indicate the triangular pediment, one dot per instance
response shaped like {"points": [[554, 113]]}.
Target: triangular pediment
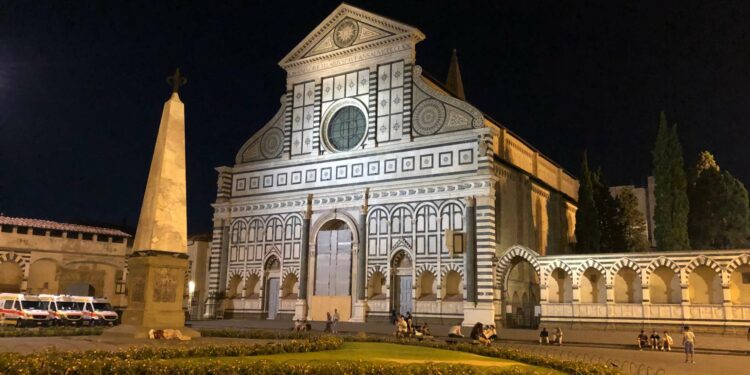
{"points": [[349, 28]]}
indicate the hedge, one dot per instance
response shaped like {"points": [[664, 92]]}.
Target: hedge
{"points": [[149, 359], [51, 331], [572, 367]]}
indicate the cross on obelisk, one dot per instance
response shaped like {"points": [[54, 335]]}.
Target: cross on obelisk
{"points": [[176, 80], [159, 262]]}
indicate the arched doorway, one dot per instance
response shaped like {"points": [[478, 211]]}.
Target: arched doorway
{"points": [[401, 266], [333, 271], [522, 286], [273, 276], [11, 277]]}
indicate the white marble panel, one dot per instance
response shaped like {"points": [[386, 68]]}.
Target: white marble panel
{"points": [[384, 103], [351, 84], [339, 87], [397, 100], [298, 95], [384, 77], [397, 74], [309, 93], [327, 89], [363, 83]]}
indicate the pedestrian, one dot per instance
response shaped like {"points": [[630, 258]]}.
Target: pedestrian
{"points": [[393, 316], [655, 340], [477, 334], [666, 342], [558, 338], [688, 341], [401, 327], [455, 332], [491, 332], [544, 336], [426, 330], [329, 322], [642, 340], [335, 320]]}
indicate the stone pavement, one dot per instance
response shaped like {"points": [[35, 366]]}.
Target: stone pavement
{"points": [[705, 343]]}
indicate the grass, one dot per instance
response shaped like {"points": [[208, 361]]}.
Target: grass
{"points": [[384, 352]]}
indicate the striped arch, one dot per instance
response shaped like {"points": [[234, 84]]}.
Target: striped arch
{"points": [[398, 253], [371, 211], [377, 268], [273, 253], [234, 272], [252, 272], [552, 267], [661, 262], [738, 261], [503, 265], [451, 267], [703, 260], [290, 271], [589, 263], [425, 267], [620, 264], [13, 258]]}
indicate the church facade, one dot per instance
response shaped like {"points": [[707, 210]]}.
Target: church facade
{"points": [[376, 188]]}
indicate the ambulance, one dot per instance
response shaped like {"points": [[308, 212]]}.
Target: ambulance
{"points": [[23, 310], [64, 311], [97, 311]]}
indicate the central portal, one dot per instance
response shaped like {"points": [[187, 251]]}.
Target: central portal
{"points": [[402, 280], [333, 272]]}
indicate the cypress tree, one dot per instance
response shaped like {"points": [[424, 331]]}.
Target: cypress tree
{"points": [[672, 207], [719, 212], [631, 222], [606, 207], [588, 235]]}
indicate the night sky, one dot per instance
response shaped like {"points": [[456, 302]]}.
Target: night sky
{"points": [[82, 85]]}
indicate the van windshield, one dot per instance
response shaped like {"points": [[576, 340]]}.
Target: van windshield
{"points": [[69, 306], [33, 305], [102, 307]]}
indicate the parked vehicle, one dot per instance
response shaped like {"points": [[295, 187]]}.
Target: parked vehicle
{"points": [[97, 311], [23, 310], [63, 309]]}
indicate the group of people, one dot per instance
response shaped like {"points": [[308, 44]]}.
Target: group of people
{"points": [[302, 325], [665, 342], [655, 341], [557, 336], [405, 327], [480, 333], [332, 321]]}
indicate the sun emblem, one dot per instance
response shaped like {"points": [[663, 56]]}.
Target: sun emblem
{"points": [[346, 33]]}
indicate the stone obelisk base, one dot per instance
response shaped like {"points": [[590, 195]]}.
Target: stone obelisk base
{"points": [[156, 286]]}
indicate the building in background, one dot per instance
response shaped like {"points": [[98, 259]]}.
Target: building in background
{"points": [[199, 246], [41, 256], [646, 204]]}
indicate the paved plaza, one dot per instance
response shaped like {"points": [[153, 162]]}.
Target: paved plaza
{"points": [[715, 354]]}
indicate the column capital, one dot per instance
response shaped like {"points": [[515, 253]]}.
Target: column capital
{"points": [[471, 201]]}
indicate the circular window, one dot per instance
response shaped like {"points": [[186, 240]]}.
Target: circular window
{"points": [[346, 128]]}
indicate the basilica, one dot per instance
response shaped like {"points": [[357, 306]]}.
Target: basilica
{"points": [[377, 189]]}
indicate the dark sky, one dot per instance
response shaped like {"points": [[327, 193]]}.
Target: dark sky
{"points": [[82, 86]]}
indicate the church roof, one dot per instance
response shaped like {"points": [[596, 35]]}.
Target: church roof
{"points": [[347, 30], [53, 225]]}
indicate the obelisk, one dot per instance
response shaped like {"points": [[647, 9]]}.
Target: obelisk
{"points": [[159, 262]]}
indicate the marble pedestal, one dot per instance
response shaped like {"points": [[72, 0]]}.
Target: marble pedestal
{"points": [[482, 312], [156, 286], [359, 312]]}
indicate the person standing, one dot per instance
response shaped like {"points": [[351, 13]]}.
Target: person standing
{"points": [[329, 322], [688, 341], [335, 320]]}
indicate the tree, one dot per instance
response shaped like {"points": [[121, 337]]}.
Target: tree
{"points": [[672, 207], [631, 222], [606, 206], [588, 235], [719, 214]]}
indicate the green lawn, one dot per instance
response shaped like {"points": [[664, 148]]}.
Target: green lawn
{"points": [[353, 351]]}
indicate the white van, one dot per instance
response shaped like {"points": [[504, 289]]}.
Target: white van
{"points": [[23, 310], [63, 309], [97, 311]]}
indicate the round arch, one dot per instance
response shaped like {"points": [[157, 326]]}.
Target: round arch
{"points": [[505, 262], [332, 216]]}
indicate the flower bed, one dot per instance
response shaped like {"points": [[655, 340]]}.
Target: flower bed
{"points": [[50, 331], [151, 360]]}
